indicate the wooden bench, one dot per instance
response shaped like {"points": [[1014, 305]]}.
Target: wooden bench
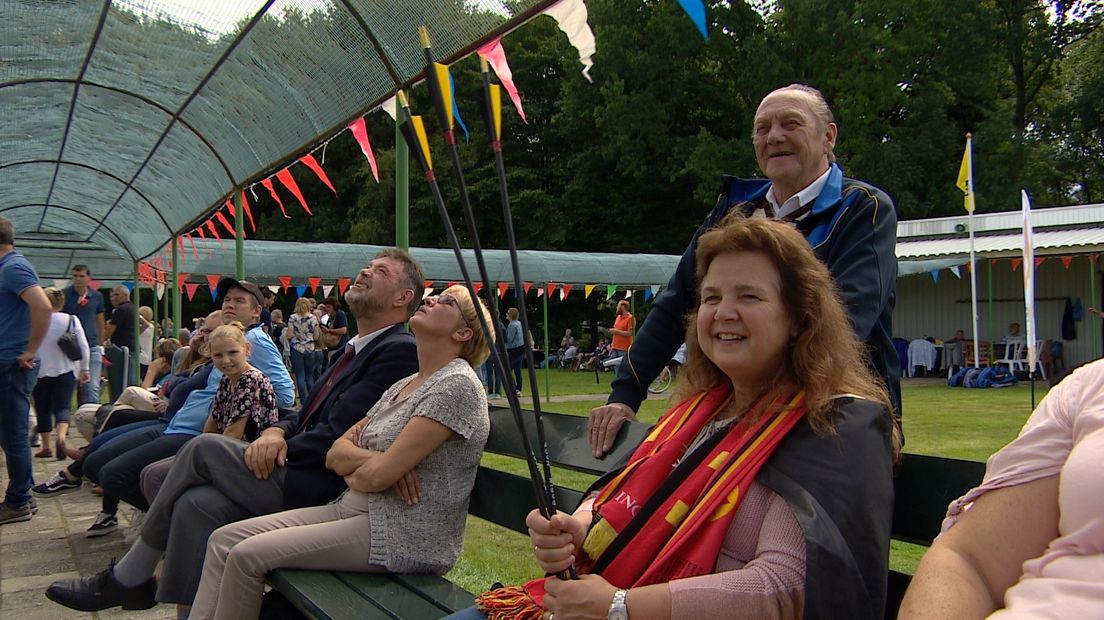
{"points": [[924, 487]]}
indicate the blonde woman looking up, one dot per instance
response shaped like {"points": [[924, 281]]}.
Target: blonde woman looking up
{"points": [[302, 325]]}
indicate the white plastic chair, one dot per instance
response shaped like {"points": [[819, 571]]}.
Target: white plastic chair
{"points": [[1015, 357]]}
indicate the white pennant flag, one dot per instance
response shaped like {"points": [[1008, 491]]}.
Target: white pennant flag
{"points": [[391, 107], [61, 283], [160, 291], [957, 271], [326, 288], [571, 15], [275, 288], [655, 289], [427, 291]]}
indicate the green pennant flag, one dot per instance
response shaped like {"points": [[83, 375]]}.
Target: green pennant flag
{"points": [[610, 290]]}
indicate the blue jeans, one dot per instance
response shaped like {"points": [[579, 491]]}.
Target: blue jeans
{"points": [[90, 392], [304, 366], [16, 383]]}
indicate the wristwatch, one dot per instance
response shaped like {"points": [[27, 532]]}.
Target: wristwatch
{"points": [[618, 610]]}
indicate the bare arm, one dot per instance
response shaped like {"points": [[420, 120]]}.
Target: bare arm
{"points": [[236, 428], [209, 426], [40, 311], [100, 323], [968, 569], [151, 372], [381, 470]]}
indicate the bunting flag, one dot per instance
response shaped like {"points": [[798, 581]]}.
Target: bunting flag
{"points": [[180, 279], [502, 288], [272, 287], [1016, 263], [183, 252], [478, 287], [571, 16], [314, 282], [248, 212], [629, 293], [391, 107], [587, 290], [326, 288], [1039, 260], [696, 10], [225, 222], [342, 284], [301, 290], [195, 251], [540, 291], [551, 288], [285, 177], [966, 176], [360, 133], [285, 282], [212, 283], [610, 290], [426, 292], [206, 245], [160, 289], [526, 286], [456, 108], [129, 285], [496, 57], [267, 183], [190, 289], [565, 290], [957, 271], [427, 284], [1066, 260], [647, 294], [935, 276], [95, 284], [312, 163], [451, 284], [61, 283], [655, 289]]}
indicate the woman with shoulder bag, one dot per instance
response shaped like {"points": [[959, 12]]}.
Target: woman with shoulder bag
{"points": [[59, 374]]}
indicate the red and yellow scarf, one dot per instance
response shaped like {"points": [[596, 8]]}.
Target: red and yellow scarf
{"points": [[677, 517]]}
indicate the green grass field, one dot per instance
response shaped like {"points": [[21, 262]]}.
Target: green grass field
{"points": [[940, 421]]}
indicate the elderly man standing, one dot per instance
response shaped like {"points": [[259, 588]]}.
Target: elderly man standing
{"points": [[24, 317], [217, 480], [851, 225]]}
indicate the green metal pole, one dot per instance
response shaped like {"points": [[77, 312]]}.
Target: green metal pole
{"points": [[178, 313], [547, 379], [156, 323], [136, 299], [1092, 298], [402, 189], [239, 236]]}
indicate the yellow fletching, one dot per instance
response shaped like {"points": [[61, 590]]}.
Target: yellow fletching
{"points": [[496, 112], [419, 128], [446, 90], [728, 505], [677, 513]]}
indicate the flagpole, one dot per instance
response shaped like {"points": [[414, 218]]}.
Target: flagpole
{"points": [[969, 161], [1029, 291]]}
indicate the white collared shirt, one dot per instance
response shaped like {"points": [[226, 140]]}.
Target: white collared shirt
{"points": [[795, 202], [361, 340]]}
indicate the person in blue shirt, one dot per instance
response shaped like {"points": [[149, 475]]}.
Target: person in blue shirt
{"points": [[24, 317], [117, 466], [515, 344], [87, 304]]}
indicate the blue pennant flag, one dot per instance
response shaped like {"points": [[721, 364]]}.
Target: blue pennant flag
{"points": [[935, 276], [129, 285], [696, 10], [301, 289], [647, 293], [456, 110]]}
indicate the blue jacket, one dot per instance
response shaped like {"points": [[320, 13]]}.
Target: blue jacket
{"points": [[852, 228]]}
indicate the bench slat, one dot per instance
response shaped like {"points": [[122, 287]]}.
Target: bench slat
{"points": [[322, 596], [438, 590], [393, 597], [567, 439]]}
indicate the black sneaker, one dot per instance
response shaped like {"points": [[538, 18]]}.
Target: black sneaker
{"points": [[102, 526], [101, 591], [10, 514], [59, 484]]}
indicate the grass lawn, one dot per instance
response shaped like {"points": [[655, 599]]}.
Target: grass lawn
{"points": [[940, 421]]}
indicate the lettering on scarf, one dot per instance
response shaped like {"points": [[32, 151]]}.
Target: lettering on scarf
{"points": [[628, 502]]}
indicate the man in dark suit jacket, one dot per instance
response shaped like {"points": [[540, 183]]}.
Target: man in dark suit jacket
{"points": [[216, 480]]}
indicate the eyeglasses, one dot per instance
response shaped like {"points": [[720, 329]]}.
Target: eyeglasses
{"points": [[449, 300]]}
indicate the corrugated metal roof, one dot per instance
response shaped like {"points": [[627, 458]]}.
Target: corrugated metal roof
{"points": [[1066, 217], [1046, 242]]}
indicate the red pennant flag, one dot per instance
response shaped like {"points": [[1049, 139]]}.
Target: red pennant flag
{"points": [[225, 222], [427, 284], [1039, 260], [551, 288], [212, 281], [502, 288], [248, 212], [451, 284], [312, 163], [180, 278], [285, 177], [1066, 260], [285, 282], [1016, 263], [342, 284], [478, 287], [267, 183], [360, 132], [190, 289], [314, 282], [992, 262], [183, 252], [206, 245], [195, 251], [214, 231], [527, 286], [565, 290], [94, 284]]}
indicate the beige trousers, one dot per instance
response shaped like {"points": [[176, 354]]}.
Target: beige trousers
{"points": [[336, 536]]}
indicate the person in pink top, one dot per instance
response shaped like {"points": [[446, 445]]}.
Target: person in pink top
{"points": [[1028, 542]]}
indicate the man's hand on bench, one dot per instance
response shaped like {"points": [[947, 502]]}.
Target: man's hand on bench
{"points": [[603, 425], [266, 452]]}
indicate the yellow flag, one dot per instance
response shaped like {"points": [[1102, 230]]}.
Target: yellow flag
{"points": [[965, 177], [589, 289]]}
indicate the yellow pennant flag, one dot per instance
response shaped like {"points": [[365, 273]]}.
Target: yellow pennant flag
{"points": [[966, 176], [588, 289]]}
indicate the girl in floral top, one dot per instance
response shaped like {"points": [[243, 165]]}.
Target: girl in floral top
{"points": [[245, 403]]}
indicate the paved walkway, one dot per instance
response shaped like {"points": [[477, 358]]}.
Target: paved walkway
{"points": [[52, 546]]}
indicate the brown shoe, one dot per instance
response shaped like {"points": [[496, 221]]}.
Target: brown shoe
{"points": [[44, 453]]}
